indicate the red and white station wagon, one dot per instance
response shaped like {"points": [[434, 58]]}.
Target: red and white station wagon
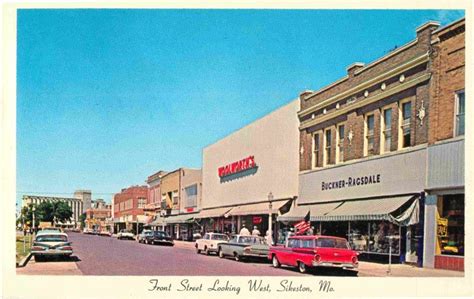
{"points": [[314, 251]]}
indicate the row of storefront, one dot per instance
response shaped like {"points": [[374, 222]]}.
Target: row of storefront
{"points": [[365, 157]]}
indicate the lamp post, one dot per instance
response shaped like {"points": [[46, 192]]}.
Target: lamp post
{"points": [[270, 232]]}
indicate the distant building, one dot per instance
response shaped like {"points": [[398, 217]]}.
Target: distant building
{"points": [[99, 217], [129, 207], [86, 197], [75, 204]]}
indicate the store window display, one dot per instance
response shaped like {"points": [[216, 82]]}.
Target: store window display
{"points": [[451, 224]]}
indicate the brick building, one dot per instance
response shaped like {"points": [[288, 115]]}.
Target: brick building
{"points": [[444, 220], [99, 217], [369, 144], [128, 207]]}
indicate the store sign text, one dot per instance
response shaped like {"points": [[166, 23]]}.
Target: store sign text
{"points": [[237, 167], [351, 182]]}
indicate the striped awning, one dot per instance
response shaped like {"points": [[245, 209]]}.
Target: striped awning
{"points": [[296, 213], [258, 208], [360, 210], [321, 210], [216, 212]]}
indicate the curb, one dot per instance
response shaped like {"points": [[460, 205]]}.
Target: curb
{"points": [[24, 261]]}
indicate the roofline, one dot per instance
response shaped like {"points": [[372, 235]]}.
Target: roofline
{"points": [[446, 27]]}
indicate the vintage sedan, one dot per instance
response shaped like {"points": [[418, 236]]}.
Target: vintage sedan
{"points": [[51, 243], [125, 234], [244, 247], [314, 251], [141, 238], [209, 242], [159, 237]]}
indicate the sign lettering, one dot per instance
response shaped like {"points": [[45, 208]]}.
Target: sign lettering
{"points": [[236, 167]]}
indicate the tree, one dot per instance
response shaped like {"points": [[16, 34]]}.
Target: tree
{"points": [[53, 211], [82, 219]]}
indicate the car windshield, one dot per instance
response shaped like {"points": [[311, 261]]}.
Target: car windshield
{"points": [[51, 238], [161, 234], [219, 237], [249, 240], [332, 243]]}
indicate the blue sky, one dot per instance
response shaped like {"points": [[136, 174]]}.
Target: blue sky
{"points": [[107, 97]]}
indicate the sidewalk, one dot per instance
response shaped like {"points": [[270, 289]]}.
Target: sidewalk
{"points": [[402, 270]]}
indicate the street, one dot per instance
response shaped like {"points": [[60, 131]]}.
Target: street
{"points": [[96, 255]]}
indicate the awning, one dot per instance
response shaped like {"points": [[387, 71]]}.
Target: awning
{"points": [[178, 219], [144, 219], [371, 209], [258, 208], [157, 221], [320, 210], [217, 212], [296, 213]]}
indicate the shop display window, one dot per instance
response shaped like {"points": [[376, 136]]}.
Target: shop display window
{"points": [[451, 224]]}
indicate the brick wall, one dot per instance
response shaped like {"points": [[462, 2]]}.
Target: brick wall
{"points": [[448, 77], [355, 119], [133, 193]]}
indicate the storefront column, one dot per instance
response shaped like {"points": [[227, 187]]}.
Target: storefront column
{"points": [[421, 232], [239, 224], [177, 231], [233, 224], [430, 228]]}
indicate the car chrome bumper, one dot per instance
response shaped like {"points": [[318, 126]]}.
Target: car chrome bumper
{"points": [[52, 252], [336, 265]]}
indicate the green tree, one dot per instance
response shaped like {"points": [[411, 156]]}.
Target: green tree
{"points": [[53, 211], [62, 211], [82, 219]]}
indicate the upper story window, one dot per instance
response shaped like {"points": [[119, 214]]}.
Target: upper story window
{"points": [[460, 110], [328, 146], [175, 197], [369, 134], [141, 203], [191, 195], [405, 125], [315, 157], [386, 140], [340, 144]]}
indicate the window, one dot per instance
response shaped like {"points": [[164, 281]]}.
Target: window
{"points": [[451, 224], [405, 125], [293, 243], [369, 135], [386, 140], [309, 243], [460, 110], [191, 195], [340, 144], [141, 203], [327, 148], [316, 162], [175, 197]]}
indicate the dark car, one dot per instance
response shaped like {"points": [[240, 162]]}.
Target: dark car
{"points": [[159, 237]]}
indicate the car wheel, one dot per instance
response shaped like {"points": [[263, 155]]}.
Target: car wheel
{"points": [[220, 253], [275, 262], [302, 267], [146, 241], [237, 257], [198, 251], [206, 251]]}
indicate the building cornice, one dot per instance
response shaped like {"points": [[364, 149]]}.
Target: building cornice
{"points": [[393, 72], [367, 101]]}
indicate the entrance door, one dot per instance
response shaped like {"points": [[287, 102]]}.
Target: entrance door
{"points": [[410, 255]]}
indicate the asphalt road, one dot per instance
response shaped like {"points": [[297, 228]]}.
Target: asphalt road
{"points": [[96, 255]]}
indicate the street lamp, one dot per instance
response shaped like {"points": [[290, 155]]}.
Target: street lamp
{"points": [[270, 233]]}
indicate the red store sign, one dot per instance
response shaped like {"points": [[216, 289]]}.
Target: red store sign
{"points": [[237, 167]]}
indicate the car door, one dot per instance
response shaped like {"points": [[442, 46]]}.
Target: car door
{"points": [[205, 241]]}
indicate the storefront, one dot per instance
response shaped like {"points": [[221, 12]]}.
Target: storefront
{"points": [[181, 227], [251, 174], [445, 206], [376, 203]]}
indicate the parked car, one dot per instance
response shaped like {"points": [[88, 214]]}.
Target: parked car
{"points": [[105, 233], [51, 243], [125, 234], [314, 251], [141, 238], [209, 242], [54, 229], [242, 247], [159, 237]]}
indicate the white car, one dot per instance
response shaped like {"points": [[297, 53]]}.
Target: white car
{"points": [[209, 242], [51, 243], [125, 234]]}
